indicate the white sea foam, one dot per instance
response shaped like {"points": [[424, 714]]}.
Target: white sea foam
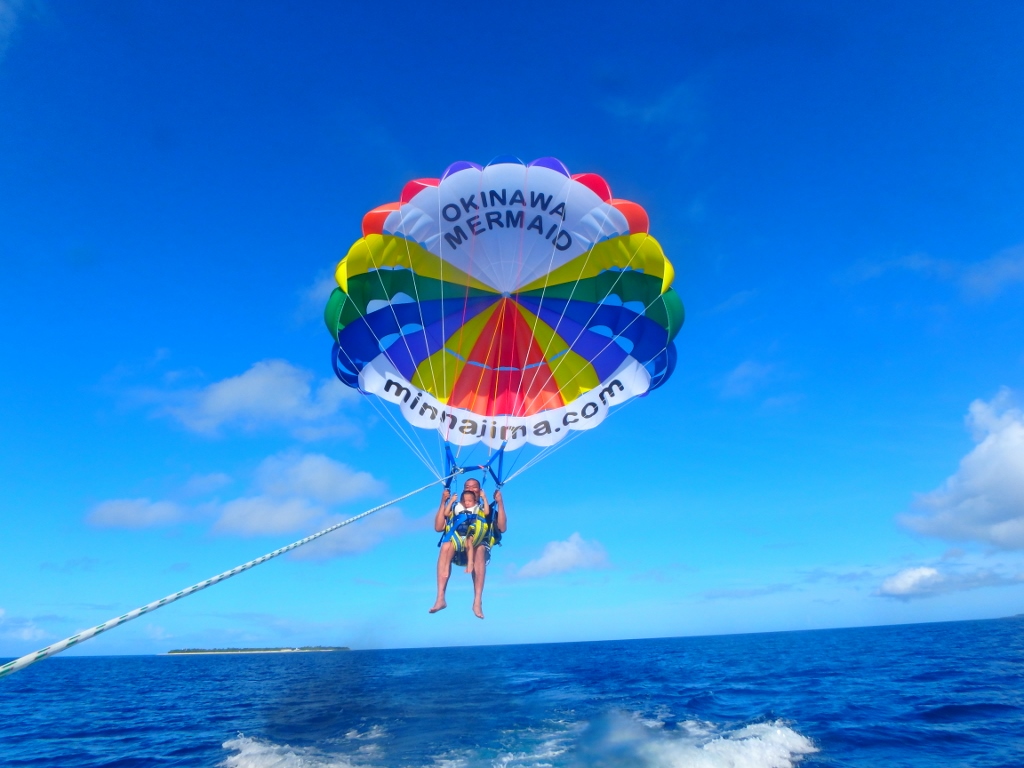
{"points": [[260, 753], [632, 739], [763, 745], [614, 740]]}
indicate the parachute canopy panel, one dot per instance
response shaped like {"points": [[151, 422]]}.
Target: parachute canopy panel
{"points": [[506, 304]]}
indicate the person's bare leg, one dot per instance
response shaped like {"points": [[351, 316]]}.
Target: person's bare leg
{"points": [[479, 574], [470, 550], [444, 571]]}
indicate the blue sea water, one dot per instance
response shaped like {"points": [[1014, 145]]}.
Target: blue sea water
{"points": [[920, 695]]}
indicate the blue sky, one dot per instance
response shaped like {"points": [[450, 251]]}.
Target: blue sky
{"points": [[840, 189]]}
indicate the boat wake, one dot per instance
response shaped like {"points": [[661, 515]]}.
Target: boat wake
{"points": [[616, 739]]}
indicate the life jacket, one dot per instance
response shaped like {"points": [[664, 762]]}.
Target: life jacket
{"points": [[470, 523]]}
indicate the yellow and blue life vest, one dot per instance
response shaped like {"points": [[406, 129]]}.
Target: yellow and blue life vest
{"points": [[466, 525]]}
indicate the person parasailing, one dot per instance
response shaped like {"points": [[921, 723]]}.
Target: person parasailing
{"points": [[466, 525], [508, 307]]}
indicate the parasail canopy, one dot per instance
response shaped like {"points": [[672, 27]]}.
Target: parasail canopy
{"points": [[510, 304]]}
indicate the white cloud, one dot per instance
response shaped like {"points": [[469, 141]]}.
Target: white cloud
{"points": [[569, 555], [676, 105], [745, 378], [982, 279], [743, 594], [290, 492], [270, 393], [134, 513], [927, 581], [315, 476], [201, 485], [912, 582], [362, 535], [314, 298], [83, 563], [9, 12], [988, 278], [263, 515], [920, 263], [737, 300], [984, 500], [156, 632], [17, 628], [295, 492]]}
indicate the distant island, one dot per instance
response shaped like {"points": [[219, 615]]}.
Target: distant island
{"points": [[303, 649]]}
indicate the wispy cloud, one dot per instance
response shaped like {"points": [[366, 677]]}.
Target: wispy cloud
{"points": [[737, 300], [315, 476], [663, 575], [288, 492], [745, 593], [784, 402], [296, 489], [265, 515], [927, 581], [156, 632], [562, 556], [271, 393], [362, 536], [135, 513], [816, 575], [745, 378], [71, 566], [10, 13], [919, 263], [677, 105], [978, 280], [984, 499], [989, 278], [202, 485], [19, 628], [313, 298]]}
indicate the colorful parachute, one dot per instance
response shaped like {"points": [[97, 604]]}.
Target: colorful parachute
{"points": [[507, 304]]}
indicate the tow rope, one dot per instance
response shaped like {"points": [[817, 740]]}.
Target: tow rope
{"points": [[51, 650]]}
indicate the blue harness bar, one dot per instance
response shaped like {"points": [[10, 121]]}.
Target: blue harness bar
{"points": [[452, 466], [458, 524]]}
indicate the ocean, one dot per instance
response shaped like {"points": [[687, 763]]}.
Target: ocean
{"points": [[948, 694]]}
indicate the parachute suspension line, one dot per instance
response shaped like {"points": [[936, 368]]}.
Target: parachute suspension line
{"points": [[396, 428], [453, 468], [52, 650], [513, 409], [612, 341], [543, 454], [444, 332], [515, 461], [594, 313], [392, 421], [476, 389], [423, 453], [419, 307], [572, 294], [462, 327], [549, 450], [462, 331], [543, 293], [418, 451]]}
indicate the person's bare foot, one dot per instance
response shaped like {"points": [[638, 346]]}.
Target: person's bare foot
{"points": [[469, 569], [478, 610], [440, 605]]}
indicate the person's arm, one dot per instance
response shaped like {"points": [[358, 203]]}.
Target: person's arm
{"points": [[500, 520], [442, 511], [486, 505]]}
